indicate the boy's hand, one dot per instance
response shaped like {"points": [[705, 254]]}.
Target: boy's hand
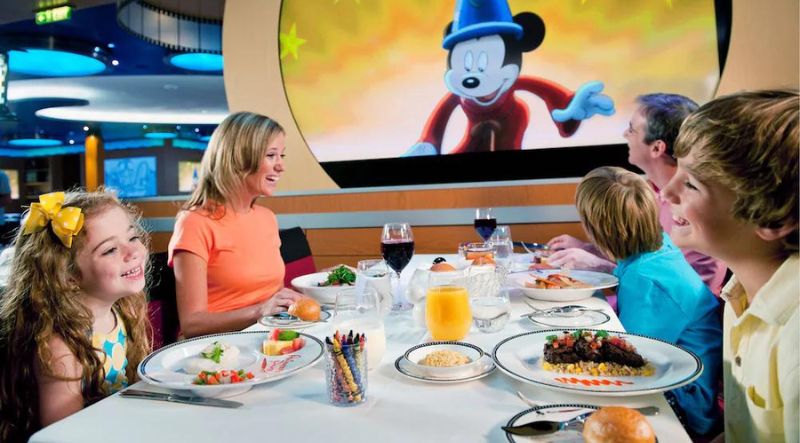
{"points": [[575, 258], [566, 241]]}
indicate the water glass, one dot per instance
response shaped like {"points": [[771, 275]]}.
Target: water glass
{"points": [[359, 310], [502, 246], [346, 374], [491, 312], [375, 274]]}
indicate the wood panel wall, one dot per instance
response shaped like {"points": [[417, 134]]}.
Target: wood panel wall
{"points": [[348, 245]]}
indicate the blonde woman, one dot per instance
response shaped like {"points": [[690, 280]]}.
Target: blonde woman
{"points": [[659, 293], [225, 249]]}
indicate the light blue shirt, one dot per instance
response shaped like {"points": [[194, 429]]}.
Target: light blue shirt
{"points": [[660, 295]]}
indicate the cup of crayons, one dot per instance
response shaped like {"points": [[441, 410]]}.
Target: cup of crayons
{"points": [[346, 368]]}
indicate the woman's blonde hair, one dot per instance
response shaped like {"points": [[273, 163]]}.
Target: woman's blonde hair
{"points": [[619, 212], [748, 142], [235, 150], [42, 300]]}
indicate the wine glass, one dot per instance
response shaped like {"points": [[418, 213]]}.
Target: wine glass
{"points": [[485, 223], [397, 247]]}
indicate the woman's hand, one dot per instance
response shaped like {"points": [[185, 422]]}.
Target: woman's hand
{"points": [[279, 302]]}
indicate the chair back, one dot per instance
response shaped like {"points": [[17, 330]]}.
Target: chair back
{"points": [[296, 254], [161, 306]]}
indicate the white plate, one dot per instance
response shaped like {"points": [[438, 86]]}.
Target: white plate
{"points": [[596, 280], [291, 323], [520, 356], [418, 352], [560, 412], [485, 367], [309, 285], [166, 366], [587, 318]]}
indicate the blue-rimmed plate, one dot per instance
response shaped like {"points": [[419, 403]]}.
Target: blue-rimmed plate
{"points": [[561, 412], [172, 366], [480, 365], [521, 357], [283, 320], [585, 319]]}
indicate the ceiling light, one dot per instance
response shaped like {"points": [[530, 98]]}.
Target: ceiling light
{"points": [[53, 63], [115, 62], [85, 128], [34, 142], [197, 62], [160, 135]]}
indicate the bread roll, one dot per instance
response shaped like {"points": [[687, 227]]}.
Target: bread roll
{"points": [[305, 308], [618, 424], [442, 267]]}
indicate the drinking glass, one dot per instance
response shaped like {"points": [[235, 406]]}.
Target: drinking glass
{"points": [[447, 311], [503, 247], [397, 247], [359, 310], [374, 273], [490, 314], [485, 223]]}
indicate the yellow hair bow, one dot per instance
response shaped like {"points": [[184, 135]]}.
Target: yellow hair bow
{"points": [[65, 222]]}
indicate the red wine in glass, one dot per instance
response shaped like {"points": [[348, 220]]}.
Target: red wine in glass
{"points": [[485, 227], [397, 253]]}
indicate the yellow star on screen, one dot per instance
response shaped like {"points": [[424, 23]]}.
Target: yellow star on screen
{"points": [[290, 42]]}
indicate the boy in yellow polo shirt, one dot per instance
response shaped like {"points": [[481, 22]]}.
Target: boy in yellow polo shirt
{"points": [[735, 198]]}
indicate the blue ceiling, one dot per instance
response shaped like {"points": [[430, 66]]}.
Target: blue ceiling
{"points": [[90, 27]]}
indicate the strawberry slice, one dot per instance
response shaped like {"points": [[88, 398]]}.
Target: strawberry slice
{"points": [[275, 334]]}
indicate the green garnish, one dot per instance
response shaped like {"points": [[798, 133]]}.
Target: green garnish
{"points": [[215, 354], [340, 276], [577, 334], [288, 335], [551, 338], [602, 334]]}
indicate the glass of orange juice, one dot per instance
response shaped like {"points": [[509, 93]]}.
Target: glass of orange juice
{"points": [[447, 312]]}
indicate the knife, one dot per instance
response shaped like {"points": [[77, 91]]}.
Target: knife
{"points": [[541, 427], [177, 398]]}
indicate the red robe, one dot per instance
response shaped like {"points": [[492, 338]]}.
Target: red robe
{"points": [[501, 126]]}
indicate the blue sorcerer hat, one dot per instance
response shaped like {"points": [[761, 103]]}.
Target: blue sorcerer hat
{"points": [[479, 18]]}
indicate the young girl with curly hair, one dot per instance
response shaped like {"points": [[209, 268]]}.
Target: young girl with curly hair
{"points": [[73, 319]]}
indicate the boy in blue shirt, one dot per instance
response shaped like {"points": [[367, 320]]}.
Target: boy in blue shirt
{"points": [[659, 293]]}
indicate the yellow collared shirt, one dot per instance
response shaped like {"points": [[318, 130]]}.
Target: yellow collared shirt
{"points": [[760, 349]]}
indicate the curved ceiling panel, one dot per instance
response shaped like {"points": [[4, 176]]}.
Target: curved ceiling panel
{"points": [[130, 99]]}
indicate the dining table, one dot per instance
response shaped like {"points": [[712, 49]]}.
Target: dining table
{"points": [[397, 408]]}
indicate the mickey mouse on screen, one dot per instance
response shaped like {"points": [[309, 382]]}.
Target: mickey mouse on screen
{"points": [[485, 45]]}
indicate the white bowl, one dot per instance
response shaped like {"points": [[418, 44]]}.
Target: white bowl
{"points": [[417, 353], [596, 280], [309, 285]]}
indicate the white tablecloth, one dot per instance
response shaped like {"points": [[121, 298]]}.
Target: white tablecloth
{"points": [[398, 409]]}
